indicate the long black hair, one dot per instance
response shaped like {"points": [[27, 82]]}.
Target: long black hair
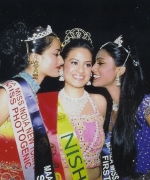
{"points": [[13, 48], [131, 94]]}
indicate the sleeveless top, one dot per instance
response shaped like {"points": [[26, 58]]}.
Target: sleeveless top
{"points": [[89, 130]]}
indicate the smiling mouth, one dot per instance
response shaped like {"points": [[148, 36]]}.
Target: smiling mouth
{"points": [[78, 77], [95, 76]]}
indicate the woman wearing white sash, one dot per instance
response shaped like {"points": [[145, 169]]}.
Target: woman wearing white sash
{"points": [[34, 54], [85, 111]]}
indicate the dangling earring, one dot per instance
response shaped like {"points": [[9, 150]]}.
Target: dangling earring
{"points": [[118, 83], [61, 77], [89, 82], [35, 71], [35, 66]]}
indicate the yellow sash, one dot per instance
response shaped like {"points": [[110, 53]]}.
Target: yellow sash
{"points": [[71, 147]]}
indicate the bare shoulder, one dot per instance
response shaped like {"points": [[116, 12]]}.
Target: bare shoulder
{"points": [[100, 102], [4, 113]]}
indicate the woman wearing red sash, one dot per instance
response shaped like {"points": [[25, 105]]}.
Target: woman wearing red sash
{"points": [[33, 55], [80, 116], [126, 152]]}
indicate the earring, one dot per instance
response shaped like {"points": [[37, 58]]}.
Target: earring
{"points": [[118, 83], [35, 66], [61, 77], [35, 71], [89, 82]]}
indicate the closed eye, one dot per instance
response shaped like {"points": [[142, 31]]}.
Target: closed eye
{"points": [[100, 63]]}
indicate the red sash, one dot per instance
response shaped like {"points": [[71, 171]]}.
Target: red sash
{"points": [[48, 103]]}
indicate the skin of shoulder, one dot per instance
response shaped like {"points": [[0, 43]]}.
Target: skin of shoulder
{"points": [[4, 112], [148, 119], [101, 103]]}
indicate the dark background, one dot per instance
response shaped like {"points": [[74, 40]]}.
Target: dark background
{"points": [[104, 19]]}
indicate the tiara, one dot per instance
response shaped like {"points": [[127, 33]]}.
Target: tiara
{"points": [[40, 35], [118, 41], [76, 33]]}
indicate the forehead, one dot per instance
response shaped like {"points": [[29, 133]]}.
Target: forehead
{"points": [[55, 43], [80, 54], [103, 55]]}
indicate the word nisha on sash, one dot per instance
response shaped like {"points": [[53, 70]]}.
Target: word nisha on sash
{"points": [[73, 156]]}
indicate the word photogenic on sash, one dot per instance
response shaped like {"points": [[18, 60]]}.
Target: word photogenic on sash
{"points": [[23, 130], [22, 127]]}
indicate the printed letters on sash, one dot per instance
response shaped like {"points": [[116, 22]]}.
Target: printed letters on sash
{"points": [[48, 107], [22, 127], [71, 147], [108, 168]]}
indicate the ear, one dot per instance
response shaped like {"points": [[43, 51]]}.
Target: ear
{"points": [[33, 56], [121, 70]]}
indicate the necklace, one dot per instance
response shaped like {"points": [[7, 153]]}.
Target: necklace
{"points": [[73, 105], [32, 83], [115, 106]]}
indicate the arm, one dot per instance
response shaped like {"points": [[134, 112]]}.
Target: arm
{"points": [[101, 103], [4, 112]]}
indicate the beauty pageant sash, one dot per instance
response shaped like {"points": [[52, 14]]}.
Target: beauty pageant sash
{"points": [[23, 105], [48, 107], [71, 147], [22, 127], [108, 168]]}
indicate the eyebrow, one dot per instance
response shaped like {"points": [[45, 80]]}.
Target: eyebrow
{"points": [[57, 49], [100, 58]]}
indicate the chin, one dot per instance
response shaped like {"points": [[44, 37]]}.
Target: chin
{"points": [[95, 84]]}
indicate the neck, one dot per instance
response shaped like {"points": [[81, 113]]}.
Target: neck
{"points": [[29, 70], [114, 93], [73, 91]]}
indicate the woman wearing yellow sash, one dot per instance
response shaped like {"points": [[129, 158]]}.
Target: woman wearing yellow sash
{"points": [[81, 115], [33, 55]]}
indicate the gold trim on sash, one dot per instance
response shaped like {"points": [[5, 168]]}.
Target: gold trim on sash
{"points": [[71, 146]]}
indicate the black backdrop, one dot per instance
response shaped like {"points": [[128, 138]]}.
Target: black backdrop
{"points": [[104, 19]]}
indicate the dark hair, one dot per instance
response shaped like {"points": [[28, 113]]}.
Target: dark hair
{"points": [[77, 43], [13, 47], [131, 94]]}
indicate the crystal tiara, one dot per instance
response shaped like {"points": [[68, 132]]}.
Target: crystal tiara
{"points": [[76, 33], [40, 34]]}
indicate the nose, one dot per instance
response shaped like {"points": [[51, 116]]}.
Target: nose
{"points": [[60, 60], [80, 68]]}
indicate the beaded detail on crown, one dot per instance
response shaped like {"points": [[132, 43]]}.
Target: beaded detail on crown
{"points": [[76, 33], [40, 34]]}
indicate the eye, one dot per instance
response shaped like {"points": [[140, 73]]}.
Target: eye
{"points": [[88, 64], [57, 54], [74, 62], [100, 63]]}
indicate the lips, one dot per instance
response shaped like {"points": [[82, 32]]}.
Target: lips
{"points": [[96, 76], [58, 67], [79, 77]]}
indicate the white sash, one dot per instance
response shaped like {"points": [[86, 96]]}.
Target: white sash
{"points": [[22, 127]]}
